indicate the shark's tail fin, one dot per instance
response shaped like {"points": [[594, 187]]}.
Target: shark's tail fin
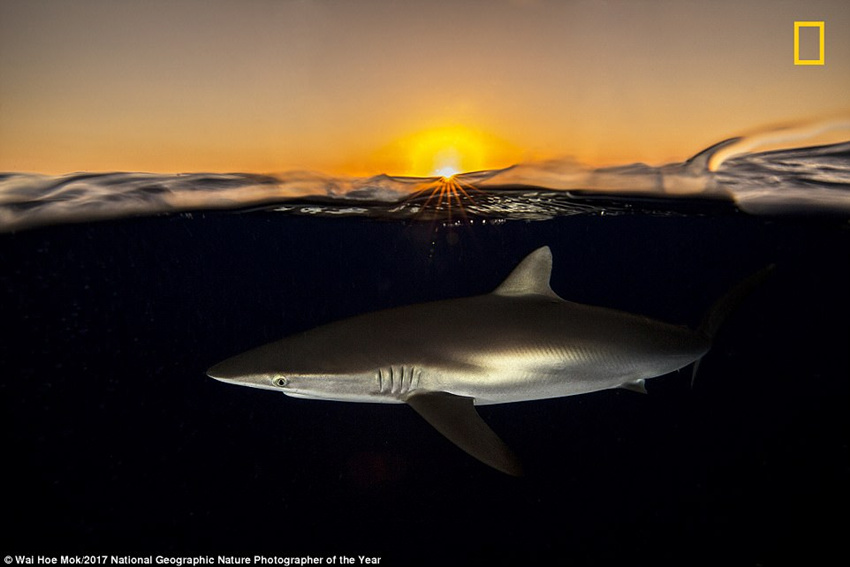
{"points": [[725, 305]]}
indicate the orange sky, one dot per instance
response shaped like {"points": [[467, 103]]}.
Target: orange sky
{"points": [[367, 87]]}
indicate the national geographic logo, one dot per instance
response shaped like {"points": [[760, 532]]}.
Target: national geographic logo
{"points": [[809, 43]]}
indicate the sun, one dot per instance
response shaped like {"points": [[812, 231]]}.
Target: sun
{"points": [[447, 172], [447, 151]]}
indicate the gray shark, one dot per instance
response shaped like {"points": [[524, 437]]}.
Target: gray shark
{"points": [[521, 342]]}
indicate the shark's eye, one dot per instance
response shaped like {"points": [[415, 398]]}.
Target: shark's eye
{"points": [[281, 381]]}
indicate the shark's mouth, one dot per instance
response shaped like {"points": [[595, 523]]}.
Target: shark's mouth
{"points": [[337, 397], [304, 395]]}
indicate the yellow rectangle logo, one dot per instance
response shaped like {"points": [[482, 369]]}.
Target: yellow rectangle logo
{"points": [[797, 27]]}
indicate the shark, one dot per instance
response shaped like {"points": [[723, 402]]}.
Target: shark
{"points": [[522, 342]]}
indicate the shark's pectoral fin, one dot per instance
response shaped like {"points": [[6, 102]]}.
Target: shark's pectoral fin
{"points": [[456, 418], [638, 386]]}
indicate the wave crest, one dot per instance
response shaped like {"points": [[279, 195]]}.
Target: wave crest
{"points": [[785, 181]]}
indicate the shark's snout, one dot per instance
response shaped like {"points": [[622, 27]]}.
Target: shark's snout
{"points": [[236, 371], [225, 371]]}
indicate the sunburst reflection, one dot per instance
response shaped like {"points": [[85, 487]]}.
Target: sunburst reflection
{"points": [[446, 196]]}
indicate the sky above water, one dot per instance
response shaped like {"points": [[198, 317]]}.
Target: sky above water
{"points": [[407, 87]]}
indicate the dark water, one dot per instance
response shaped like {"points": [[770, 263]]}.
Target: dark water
{"points": [[116, 442]]}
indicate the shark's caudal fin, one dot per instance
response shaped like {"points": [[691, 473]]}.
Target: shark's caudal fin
{"points": [[726, 304], [456, 418], [531, 276], [715, 316]]}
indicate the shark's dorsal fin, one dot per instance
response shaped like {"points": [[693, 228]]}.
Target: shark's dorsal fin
{"points": [[456, 418], [531, 276]]}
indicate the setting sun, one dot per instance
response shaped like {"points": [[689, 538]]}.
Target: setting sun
{"points": [[445, 152], [447, 172]]}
